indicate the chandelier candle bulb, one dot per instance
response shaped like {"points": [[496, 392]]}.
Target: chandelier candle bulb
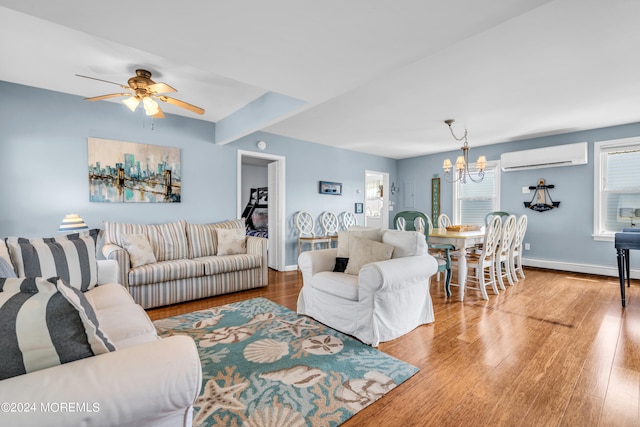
{"points": [[481, 163]]}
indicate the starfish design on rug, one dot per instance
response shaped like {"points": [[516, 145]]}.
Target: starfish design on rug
{"points": [[215, 397], [296, 327]]}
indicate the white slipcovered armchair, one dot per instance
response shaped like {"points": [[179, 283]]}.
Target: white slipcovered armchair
{"points": [[385, 298]]}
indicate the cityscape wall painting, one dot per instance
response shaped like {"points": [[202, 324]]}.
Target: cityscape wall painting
{"points": [[129, 172]]}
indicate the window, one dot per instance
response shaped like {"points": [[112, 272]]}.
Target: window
{"points": [[617, 186], [473, 201]]}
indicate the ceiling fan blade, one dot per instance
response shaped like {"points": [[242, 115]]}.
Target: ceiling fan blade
{"points": [[159, 114], [160, 88], [182, 104], [101, 97], [106, 81]]}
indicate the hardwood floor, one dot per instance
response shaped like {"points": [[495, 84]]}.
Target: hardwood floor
{"points": [[555, 350]]}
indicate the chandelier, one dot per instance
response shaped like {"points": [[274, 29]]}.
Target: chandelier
{"points": [[462, 162]]}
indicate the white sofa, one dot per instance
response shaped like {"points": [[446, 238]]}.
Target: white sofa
{"points": [[146, 381], [383, 300]]}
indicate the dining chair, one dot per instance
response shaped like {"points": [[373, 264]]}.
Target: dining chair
{"points": [[306, 231], [348, 220], [442, 253], [483, 263], [444, 221], [408, 220], [503, 251], [329, 223], [515, 257], [501, 214]]}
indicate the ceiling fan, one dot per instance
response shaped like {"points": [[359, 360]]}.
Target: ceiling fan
{"points": [[144, 90]]}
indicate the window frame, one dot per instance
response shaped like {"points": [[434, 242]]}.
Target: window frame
{"points": [[601, 149], [491, 165]]}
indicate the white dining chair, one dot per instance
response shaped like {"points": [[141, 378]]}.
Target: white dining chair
{"points": [[349, 220], [483, 263], [515, 257], [444, 221], [329, 223], [503, 251], [306, 232]]}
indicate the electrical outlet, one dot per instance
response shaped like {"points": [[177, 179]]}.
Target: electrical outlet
{"points": [[527, 247], [525, 190]]}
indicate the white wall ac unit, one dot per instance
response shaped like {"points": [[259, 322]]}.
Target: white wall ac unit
{"points": [[547, 157]]}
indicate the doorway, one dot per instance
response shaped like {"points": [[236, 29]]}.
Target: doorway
{"points": [[376, 201], [265, 170]]}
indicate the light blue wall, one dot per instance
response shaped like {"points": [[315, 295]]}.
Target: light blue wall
{"points": [[306, 164], [562, 234], [43, 166], [43, 174]]}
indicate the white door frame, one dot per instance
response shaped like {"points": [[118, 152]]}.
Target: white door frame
{"points": [[385, 196], [277, 240]]}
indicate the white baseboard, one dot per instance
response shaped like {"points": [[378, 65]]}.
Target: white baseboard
{"points": [[603, 270]]}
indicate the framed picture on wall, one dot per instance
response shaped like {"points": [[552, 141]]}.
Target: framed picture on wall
{"points": [[334, 188], [129, 172], [359, 208]]}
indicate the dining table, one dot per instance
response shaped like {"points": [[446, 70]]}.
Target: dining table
{"points": [[461, 240]]}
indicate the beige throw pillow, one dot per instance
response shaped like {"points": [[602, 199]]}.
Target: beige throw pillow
{"points": [[345, 238], [363, 251], [139, 248], [231, 241]]}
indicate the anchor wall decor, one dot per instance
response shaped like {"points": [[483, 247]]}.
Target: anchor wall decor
{"points": [[542, 198]]}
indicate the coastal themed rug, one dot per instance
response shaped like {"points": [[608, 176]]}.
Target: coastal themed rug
{"points": [[265, 365]]}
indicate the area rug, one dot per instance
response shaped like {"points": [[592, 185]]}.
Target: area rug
{"points": [[265, 365]]}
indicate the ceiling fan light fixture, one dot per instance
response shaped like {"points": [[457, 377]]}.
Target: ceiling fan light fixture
{"points": [[131, 103], [150, 106], [144, 90]]}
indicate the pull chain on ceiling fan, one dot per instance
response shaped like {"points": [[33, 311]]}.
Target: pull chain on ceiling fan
{"points": [[144, 90]]}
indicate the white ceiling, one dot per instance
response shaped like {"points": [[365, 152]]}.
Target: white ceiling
{"points": [[377, 76]]}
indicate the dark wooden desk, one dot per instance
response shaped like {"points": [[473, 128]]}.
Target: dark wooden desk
{"points": [[628, 239]]}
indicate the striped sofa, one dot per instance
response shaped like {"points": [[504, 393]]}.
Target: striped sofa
{"points": [[188, 264]]}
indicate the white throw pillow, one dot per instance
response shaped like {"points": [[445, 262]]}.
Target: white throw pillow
{"points": [[139, 248], [364, 251], [231, 241], [407, 243]]}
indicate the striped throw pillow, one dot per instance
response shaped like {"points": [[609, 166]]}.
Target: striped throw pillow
{"points": [[40, 328], [71, 257], [98, 340], [203, 240], [6, 269], [169, 241], [4, 252]]}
